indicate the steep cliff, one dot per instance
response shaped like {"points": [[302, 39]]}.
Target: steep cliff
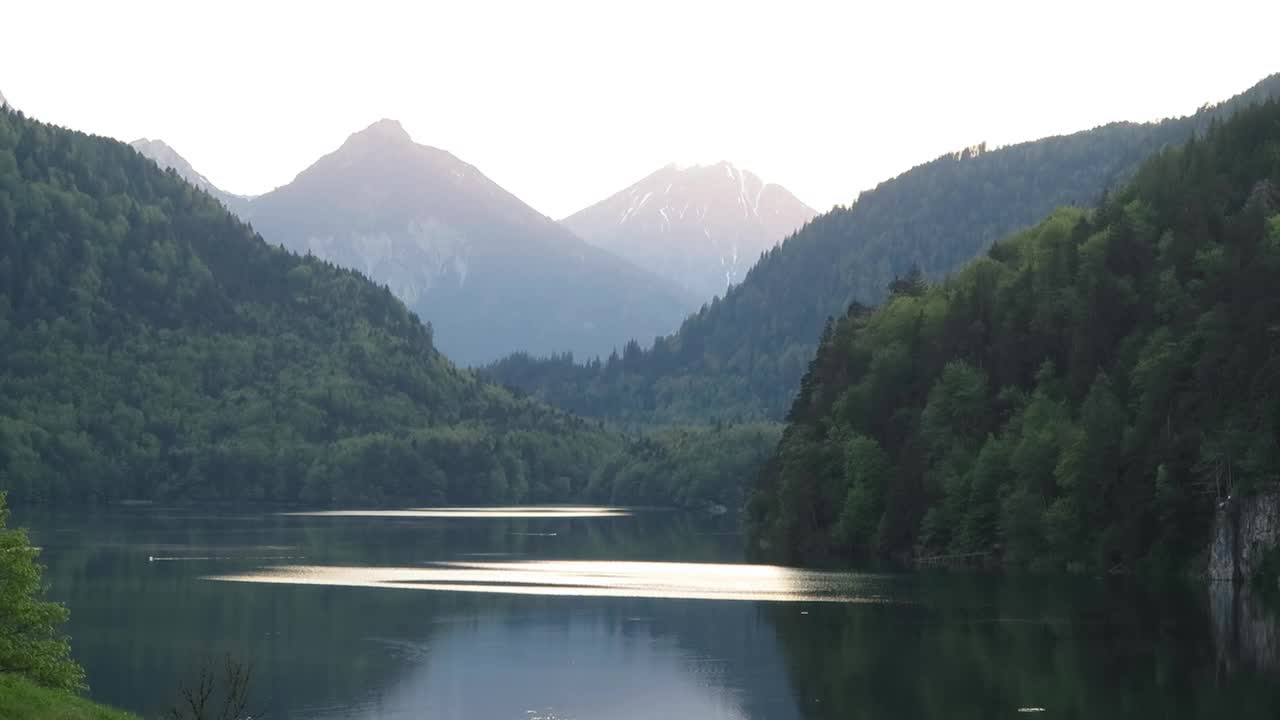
{"points": [[1244, 529]]}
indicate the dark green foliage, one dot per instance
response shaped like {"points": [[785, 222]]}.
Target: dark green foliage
{"points": [[689, 467], [30, 644], [153, 347], [1078, 398], [741, 357]]}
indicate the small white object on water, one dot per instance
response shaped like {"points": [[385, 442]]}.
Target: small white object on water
{"points": [[1030, 709]]}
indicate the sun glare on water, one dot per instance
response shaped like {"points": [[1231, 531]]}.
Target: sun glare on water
{"points": [[476, 512], [583, 578], [588, 579]]}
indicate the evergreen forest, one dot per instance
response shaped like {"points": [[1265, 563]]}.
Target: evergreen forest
{"points": [[1080, 397], [741, 357]]}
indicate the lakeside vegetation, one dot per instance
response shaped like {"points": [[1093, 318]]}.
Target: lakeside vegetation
{"points": [[38, 678], [22, 699]]}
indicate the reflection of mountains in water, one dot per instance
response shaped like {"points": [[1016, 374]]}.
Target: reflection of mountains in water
{"points": [[359, 653], [1245, 629], [630, 659]]}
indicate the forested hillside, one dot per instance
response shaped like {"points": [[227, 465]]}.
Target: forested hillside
{"points": [[741, 358], [1081, 396], [153, 347]]}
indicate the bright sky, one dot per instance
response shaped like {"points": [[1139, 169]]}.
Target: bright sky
{"points": [[564, 103]]}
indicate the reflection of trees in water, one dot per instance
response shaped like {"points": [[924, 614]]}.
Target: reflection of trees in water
{"points": [[141, 627], [982, 647], [962, 646], [1245, 628]]}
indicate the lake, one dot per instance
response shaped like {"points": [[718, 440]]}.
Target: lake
{"points": [[604, 613]]}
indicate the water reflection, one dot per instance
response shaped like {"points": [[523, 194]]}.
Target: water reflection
{"points": [[974, 648], [560, 668], [364, 653], [657, 641], [693, 581], [1245, 631], [477, 512]]}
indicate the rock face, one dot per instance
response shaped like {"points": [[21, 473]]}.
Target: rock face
{"points": [[168, 158], [491, 274], [1243, 530], [702, 227]]}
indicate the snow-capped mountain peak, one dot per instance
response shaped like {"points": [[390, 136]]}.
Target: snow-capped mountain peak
{"points": [[701, 226], [490, 273]]}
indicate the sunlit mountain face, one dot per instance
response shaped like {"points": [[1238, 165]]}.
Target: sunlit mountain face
{"points": [[701, 226], [491, 274]]}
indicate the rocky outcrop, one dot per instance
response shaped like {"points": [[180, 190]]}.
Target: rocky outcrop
{"points": [[1244, 529]]}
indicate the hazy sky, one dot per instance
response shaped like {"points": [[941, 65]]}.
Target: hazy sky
{"points": [[564, 103]]}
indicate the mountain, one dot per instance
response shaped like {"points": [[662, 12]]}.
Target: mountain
{"points": [[701, 227], [3, 102], [742, 358], [152, 346], [1083, 396], [490, 273], [169, 159]]}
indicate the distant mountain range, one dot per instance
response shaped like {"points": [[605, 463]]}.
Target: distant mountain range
{"points": [[702, 227], [153, 347], [491, 274], [167, 157], [742, 358]]}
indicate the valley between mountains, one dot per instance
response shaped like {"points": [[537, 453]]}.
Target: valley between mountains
{"points": [[310, 344]]}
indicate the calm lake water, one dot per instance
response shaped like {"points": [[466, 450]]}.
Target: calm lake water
{"points": [[597, 614]]}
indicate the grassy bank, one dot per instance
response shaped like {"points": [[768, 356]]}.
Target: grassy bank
{"points": [[22, 700]]}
